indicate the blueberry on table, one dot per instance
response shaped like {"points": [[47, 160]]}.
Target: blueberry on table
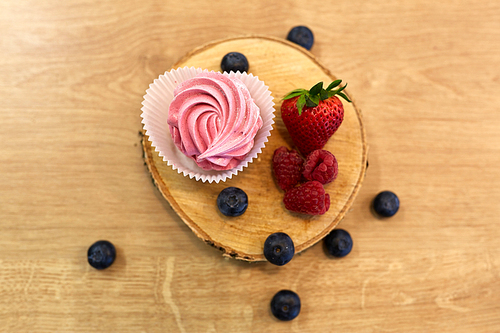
{"points": [[232, 201], [338, 243], [302, 36], [279, 248], [234, 61], [386, 204], [285, 305], [101, 254]]}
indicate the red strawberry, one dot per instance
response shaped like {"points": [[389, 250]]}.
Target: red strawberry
{"points": [[288, 166], [309, 198], [313, 116]]}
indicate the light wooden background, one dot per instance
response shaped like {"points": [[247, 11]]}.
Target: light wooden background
{"points": [[426, 75]]}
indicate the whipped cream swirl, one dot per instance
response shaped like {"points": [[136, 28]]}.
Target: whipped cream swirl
{"points": [[214, 120]]}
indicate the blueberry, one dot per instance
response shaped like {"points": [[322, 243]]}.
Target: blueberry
{"points": [[285, 305], [301, 35], [279, 248], [234, 61], [232, 201], [386, 204], [101, 254], [338, 243]]}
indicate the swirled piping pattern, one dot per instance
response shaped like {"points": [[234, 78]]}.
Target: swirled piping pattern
{"points": [[214, 120]]}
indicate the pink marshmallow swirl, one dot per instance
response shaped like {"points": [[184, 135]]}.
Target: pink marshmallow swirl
{"points": [[213, 120]]}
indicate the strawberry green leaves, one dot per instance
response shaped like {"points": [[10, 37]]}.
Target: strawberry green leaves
{"points": [[295, 93], [339, 92], [316, 89], [300, 103], [334, 84], [317, 93]]}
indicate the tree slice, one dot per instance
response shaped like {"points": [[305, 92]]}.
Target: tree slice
{"points": [[283, 66]]}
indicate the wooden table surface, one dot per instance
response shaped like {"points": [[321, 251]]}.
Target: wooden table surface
{"points": [[426, 76]]}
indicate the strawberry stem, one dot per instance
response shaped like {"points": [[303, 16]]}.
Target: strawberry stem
{"points": [[311, 97]]}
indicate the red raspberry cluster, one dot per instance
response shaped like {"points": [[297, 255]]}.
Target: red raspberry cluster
{"points": [[303, 181], [288, 166]]}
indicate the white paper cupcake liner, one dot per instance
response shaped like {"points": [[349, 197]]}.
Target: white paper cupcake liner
{"points": [[154, 117]]}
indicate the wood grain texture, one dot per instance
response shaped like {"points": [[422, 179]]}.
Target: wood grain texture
{"points": [[243, 237], [72, 76]]}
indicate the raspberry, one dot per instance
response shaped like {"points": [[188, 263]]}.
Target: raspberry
{"points": [[322, 166], [288, 166], [309, 198]]}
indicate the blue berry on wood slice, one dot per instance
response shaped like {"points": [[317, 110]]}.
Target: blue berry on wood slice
{"points": [[338, 243], [101, 254], [302, 36], [285, 305], [234, 61], [386, 204], [232, 201], [279, 249]]}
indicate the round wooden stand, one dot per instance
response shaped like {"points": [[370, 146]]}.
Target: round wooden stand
{"points": [[283, 66]]}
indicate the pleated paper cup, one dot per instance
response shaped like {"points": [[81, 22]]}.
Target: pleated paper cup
{"points": [[154, 117]]}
